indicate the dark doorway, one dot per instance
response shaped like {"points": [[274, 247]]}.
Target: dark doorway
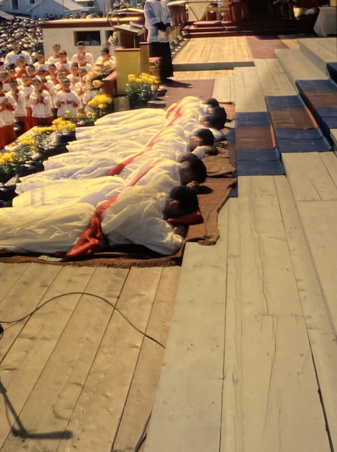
{"points": [[258, 7]]}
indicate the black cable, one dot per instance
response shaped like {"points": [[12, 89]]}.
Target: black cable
{"points": [[77, 293], [143, 436]]}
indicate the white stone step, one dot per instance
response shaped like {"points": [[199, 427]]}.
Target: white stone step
{"points": [[319, 51], [297, 66]]}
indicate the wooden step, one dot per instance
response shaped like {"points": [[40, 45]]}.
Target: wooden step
{"points": [[279, 351], [273, 80], [297, 66], [223, 88], [198, 34], [249, 96], [186, 414], [319, 51]]}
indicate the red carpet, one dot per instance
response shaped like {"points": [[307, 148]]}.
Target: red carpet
{"points": [[262, 47], [203, 89]]}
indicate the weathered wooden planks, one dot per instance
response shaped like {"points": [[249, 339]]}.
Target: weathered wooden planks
{"points": [[186, 415], [320, 329], [249, 95], [310, 177], [273, 79], [104, 393], [212, 50], [232, 405], [51, 357], [277, 393], [142, 392], [222, 90], [70, 370], [297, 67]]}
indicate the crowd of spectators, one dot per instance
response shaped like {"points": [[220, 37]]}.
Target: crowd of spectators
{"points": [[27, 32], [34, 90]]}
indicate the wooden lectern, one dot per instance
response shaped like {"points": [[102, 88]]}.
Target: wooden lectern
{"points": [[130, 35]]}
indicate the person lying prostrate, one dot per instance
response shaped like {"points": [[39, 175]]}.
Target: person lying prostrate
{"points": [[64, 191], [46, 229], [165, 174], [73, 166], [218, 113], [101, 131], [187, 113], [87, 164], [138, 215], [201, 142], [127, 116], [214, 125]]}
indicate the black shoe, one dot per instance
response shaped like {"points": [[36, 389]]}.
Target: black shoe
{"points": [[5, 203], [30, 168], [7, 192], [64, 138], [54, 150]]}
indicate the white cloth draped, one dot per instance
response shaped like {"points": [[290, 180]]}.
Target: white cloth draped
{"points": [[56, 205]]}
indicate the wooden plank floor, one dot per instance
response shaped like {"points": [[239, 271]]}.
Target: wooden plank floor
{"points": [[253, 346], [76, 374], [274, 299], [214, 50]]}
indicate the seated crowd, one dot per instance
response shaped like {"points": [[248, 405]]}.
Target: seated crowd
{"points": [[35, 92], [122, 181]]}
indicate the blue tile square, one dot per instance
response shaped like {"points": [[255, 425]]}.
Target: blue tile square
{"points": [[284, 102], [320, 145], [316, 85], [252, 119], [257, 154], [298, 134], [332, 69], [259, 168]]}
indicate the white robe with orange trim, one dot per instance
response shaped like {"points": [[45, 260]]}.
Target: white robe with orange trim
{"points": [[61, 192], [47, 229], [136, 217]]}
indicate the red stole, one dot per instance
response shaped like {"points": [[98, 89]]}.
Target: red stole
{"points": [[117, 169], [89, 240]]}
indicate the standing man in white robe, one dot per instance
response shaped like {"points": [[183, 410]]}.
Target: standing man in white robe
{"points": [[158, 22]]}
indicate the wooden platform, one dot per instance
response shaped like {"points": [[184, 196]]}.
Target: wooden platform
{"points": [[76, 374], [250, 362], [254, 327]]}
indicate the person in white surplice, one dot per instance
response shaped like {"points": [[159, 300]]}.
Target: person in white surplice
{"points": [[137, 216]]}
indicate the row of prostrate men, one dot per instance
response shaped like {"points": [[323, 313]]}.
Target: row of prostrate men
{"points": [[146, 195]]}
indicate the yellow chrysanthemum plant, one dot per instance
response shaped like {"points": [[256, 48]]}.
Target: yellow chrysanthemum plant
{"points": [[140, 89], [34, 142], [101, 104]]}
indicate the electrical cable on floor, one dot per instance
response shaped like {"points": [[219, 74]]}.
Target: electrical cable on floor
{"points": [[76, 293], [143, 435]]}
